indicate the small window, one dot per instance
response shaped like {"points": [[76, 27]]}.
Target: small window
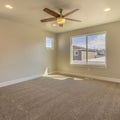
{"points": [[49, 42], [89, 49]]}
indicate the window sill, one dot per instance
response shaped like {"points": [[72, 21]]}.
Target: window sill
{"points": [[90, 65]]}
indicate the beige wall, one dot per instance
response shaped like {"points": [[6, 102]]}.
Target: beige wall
{"points": [[22, 50], [113, 52]]}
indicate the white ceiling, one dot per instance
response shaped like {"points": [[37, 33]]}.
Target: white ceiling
{"points": [[91, 12]]}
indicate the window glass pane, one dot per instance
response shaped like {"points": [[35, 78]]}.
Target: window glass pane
{"points": [[78, 50], [96, 49], [49, 43]]}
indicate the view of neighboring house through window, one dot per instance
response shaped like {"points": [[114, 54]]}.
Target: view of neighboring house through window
{"points": [[89, 49], [96, 49], [49, 42], [79, 50]]}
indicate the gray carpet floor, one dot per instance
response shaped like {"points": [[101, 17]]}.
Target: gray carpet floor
{"points": [[67, 99]]}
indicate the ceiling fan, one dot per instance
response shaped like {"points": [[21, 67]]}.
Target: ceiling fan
{"points": [[59, 17]]}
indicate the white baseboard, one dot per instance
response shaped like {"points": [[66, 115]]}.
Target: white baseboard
{"points": [[50, 73], [11, 82], [116, 80], [19, 80]]}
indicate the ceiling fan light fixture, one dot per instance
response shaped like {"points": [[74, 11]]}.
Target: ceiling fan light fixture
{"points": [[60, 20]]}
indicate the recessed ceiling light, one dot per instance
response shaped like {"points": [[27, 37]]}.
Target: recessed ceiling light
{"points": [[107, 9], [9, 6]]}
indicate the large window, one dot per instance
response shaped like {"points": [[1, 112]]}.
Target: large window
{"points": [[89, 49]]}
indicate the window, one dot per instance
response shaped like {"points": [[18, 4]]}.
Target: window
{"points": [[79, 46], [49, 42], [89, 49]]}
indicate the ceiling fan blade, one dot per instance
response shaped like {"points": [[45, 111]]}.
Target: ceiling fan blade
{"points": [[70, 12], [51, 12], [48, 19], [73, 20], [61, 25]]}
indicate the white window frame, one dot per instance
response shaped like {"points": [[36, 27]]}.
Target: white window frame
{"points": [[88, 64], [52, 42]]}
